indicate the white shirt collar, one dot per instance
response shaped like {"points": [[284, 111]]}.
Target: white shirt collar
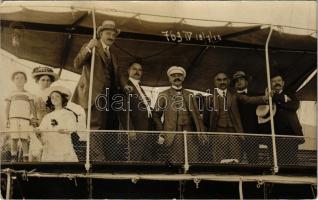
{"points": [[176, 88], [242, 91], [220, 92], [280, 91], [134, 81], [104, 46]]}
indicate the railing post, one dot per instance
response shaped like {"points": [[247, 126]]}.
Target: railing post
{"points": [[241, 189], [186, 159], [8, 190], [270, 101]]}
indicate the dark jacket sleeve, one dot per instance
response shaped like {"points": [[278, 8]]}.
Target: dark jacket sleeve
{"points": [[82, 57], [292, 105], [258, 100]]}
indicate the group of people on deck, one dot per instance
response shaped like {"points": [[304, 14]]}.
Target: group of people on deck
{"points": [[34, 120], [226, 110]]}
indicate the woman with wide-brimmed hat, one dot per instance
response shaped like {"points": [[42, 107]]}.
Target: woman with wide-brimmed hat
{"points": [[57, 126], [44, 77]]}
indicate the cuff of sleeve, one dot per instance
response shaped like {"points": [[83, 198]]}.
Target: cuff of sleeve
{"points": [[285, 98], [90, 51]]}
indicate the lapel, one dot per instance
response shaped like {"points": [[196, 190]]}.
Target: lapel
{"points": [[131, 84], [229, 99], [101, 51], [142, 90]]}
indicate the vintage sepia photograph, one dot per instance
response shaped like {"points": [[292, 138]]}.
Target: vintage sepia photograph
{"points": [[158, 99]]}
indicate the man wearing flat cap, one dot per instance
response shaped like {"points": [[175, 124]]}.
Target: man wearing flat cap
{"points": [[106, 80], [180, 113]]}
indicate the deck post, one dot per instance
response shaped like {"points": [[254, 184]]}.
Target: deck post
{"points": [[241, 189], [89, 111], [8, 189], [186, 159]]}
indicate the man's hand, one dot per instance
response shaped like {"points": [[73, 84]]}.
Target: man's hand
{"points": [[267, 94], [128, 89], [161, 139], [203, 138], [62, 131], [34, 122], [92, 43], [132, 135]]}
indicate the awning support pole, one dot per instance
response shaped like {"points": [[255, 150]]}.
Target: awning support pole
{"points": [[275, 170], [89, 111], [186, 159]]}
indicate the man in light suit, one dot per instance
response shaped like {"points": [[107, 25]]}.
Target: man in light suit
{"points": [[138, 117], [222, 115], [180, 113], [105, 84]]}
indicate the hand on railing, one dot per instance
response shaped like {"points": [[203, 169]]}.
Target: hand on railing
{"points": [[63, 131], [34, 122], [161, 139], [132, 135], [203, 138]]}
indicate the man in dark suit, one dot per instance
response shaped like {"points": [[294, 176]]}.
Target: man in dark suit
{"points": [[222, 115], [180, 113], [248, 117], [286, 121], [105, 84], [137, 116]]}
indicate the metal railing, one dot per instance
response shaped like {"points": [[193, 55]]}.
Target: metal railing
{"points": [[179, 148]]}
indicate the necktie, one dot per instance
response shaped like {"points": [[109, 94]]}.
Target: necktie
{"points": [[107, 52], [225, 101]]}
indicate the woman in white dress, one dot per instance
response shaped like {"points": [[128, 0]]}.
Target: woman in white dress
{"points": [[44, 77], [56, 128]]}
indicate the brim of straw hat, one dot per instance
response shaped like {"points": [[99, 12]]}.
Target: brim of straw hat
{"points": [[52, 74]]}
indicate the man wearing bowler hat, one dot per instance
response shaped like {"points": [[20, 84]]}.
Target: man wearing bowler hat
{"points": [[105, 84], [247, 112]]}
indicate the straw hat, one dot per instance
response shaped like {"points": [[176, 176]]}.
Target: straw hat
{"points": [[263, 114], [39, 71]]}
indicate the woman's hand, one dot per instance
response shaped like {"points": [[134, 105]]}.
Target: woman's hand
{"points": [[63, 131]]}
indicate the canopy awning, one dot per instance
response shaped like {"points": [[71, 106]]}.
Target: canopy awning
{"points": [[201, 47]]}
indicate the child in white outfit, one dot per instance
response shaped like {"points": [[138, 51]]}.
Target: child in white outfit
{"points": [[20, 113]]}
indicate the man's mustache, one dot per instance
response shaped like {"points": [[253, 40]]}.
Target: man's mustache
{"points": [[177, 79], [137, 74], [277, 85]]}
